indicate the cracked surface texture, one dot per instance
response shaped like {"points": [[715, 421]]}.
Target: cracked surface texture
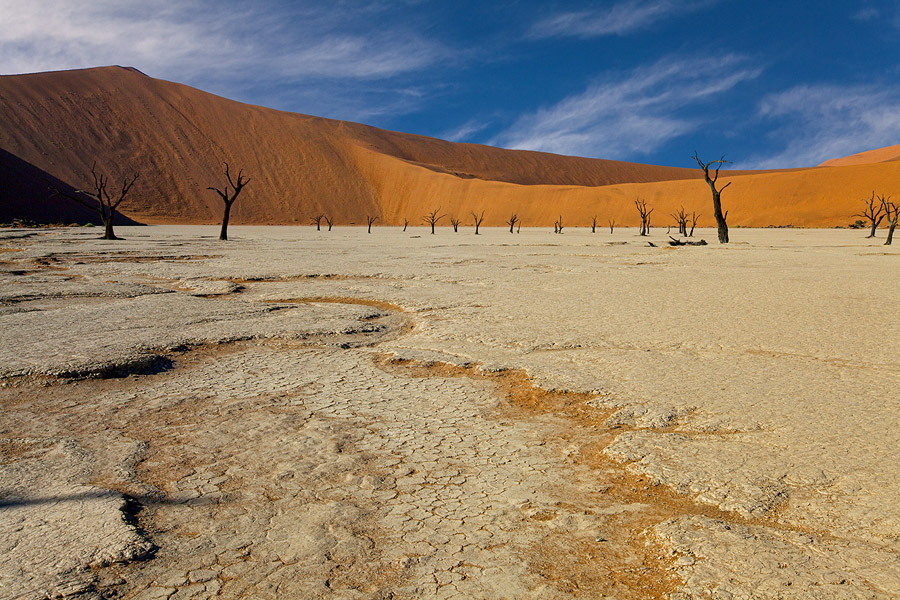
{"points": [[187, 419]]}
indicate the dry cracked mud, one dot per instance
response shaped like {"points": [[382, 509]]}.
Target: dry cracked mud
{"points": [[421, 417]]}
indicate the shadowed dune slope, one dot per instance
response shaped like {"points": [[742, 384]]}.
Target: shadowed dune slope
{"points": [[176, 137], [30, 194]]}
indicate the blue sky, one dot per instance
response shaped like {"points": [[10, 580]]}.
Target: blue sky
{"points": [[769, 83]]}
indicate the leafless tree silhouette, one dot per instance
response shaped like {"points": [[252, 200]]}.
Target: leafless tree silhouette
{"points": [[681, 220], [330, 222], [369, 221], [558, 226], [511, 221], [479, 219], [107, 203], [317, 221], [694, 217], [405, 224], [874, 212], [228, 197], [432, 218], [716, 194], [612, 224], [641, 205], [594, 224], [891, 211], [455, 223]]}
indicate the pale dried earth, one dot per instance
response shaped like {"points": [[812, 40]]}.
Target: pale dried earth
{"points": [[302, 414]]}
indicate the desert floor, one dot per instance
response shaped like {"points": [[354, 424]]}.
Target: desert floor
{"points": [[303, 414]]}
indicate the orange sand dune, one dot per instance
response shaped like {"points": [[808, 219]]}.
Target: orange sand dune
{"points": [[865, 158], [176, 138]]}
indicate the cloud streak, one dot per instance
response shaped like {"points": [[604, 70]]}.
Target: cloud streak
{"points": [[212, 44], [630, 116], [620, 19], [464, 132], [814, 123]]}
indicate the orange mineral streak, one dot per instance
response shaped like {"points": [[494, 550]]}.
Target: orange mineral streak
{"points": [[176, 137]]}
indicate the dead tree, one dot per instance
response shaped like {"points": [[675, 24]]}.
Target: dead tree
{"points": [[874, 212], [511, 221], [228, 197], [694, 218], [478, 220], [559, 225], [317, 221], [891, 211], [716, 194], [330, 222], [432, 218], [641, 205], [405, 224], [455, 223], [594, 224], [675, 242], [519, 226], [369, 221], [612, 224], [107, 204], [681, 220]]}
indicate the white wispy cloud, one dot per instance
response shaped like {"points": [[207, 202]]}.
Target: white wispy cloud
{"points": [[206, 41], [464, 132], [630, 116], [814, 123], [620, 19], [866, 13]]}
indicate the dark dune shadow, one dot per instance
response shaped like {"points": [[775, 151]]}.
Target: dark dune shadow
{"points": [[27, 194]]}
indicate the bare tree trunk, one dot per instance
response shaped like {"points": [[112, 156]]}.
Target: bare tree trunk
{"points": [[405, 224], [875, 225], [720, 218], [892, 212], [716, 194], [223, 235], [107, 204], [694, 217], [108, 233], [228, 198], [641, 206], [432, 218], [478, 219]]}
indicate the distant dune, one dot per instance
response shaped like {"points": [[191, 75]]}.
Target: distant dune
{"points": [[176, 137], [865, 158]]}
